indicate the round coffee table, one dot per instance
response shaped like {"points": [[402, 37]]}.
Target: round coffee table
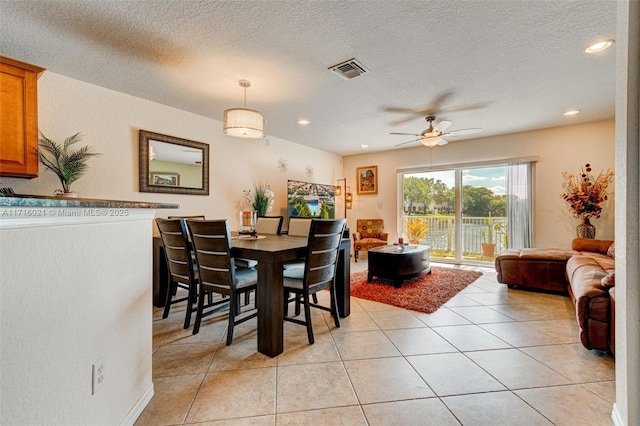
{"points": [[398, 262]]}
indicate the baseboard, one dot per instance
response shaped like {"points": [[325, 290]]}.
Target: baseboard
{"points": [[138, 408], [615, 416]]}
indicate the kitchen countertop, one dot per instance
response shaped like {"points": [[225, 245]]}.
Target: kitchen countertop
{"points": [[20, 200]]}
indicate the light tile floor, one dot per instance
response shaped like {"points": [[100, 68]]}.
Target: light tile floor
{"points": [[490, 356]]}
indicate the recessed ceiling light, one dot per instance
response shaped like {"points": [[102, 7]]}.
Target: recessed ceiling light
{"points": [[364, 146], [572, 112], [599, 46], [303, 122]]}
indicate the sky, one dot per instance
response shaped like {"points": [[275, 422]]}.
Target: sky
{"points": [[488, 177]]}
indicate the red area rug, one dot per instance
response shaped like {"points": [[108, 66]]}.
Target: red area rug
{"points": [[423, 294]]}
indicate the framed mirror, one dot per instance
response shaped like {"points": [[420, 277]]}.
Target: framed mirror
{"points": [[173, 165]]}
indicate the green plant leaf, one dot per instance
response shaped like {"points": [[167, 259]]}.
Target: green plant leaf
{"points": [[68, 165]]}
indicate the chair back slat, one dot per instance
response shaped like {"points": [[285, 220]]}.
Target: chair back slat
{"points": [[212, 245], [320, 259], [176, 248]]}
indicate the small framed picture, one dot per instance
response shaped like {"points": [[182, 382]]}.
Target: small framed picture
{"points": [[367, 178], [165, 179]]}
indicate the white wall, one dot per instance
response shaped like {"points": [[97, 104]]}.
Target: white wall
{"points": [[561, 148], [110, 122], [72, 295], [73, 321]]}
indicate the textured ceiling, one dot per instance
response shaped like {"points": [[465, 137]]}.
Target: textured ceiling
{"points": [[520, 64]]}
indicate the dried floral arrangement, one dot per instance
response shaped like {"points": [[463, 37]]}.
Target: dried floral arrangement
{"points": [[584, 193]]}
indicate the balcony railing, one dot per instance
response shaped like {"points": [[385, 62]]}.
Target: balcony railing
{"points": [[475, 231]]}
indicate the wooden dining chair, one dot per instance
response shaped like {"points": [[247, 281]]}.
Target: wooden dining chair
{"points": [[184, 225], [218, 274], [269, 224], [182, 271], [299, 226], [319, 272], [194, 217]]}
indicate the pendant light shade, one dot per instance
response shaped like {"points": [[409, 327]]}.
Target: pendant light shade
{"points": [[244, 122]]}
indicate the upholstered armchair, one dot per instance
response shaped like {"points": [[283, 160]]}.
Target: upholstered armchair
{"points": [[369, 233]]}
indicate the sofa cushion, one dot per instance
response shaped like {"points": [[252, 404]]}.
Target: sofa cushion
{"points": [[611, 251], [602, 261], [591, 245], [609, 280], [593, 307], [534, 268]]}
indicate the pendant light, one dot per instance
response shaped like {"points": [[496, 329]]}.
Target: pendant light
{"points": [[244, 122]]}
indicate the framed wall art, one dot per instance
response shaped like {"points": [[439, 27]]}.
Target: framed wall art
{"points": [[367, 179], [165, 178]]}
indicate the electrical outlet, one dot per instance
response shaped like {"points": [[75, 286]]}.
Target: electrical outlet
{"points": [[97, 374]]}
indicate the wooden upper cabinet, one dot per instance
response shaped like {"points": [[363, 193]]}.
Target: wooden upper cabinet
{"points": [[18, 118]]}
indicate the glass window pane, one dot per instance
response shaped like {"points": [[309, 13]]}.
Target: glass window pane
{"points": [[429, 211], [484, 206]]}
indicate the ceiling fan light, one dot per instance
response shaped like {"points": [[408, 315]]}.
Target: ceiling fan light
{"points": [[243, 123], [430, 142]]}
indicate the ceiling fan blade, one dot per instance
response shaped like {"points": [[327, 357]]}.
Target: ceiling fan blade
{"points": [[432, 109], [404, 143], [461, 132], [463, 108], [443, 125], [441, 98], [404, 134], [443, 141], [403, 120], [400, 110]]}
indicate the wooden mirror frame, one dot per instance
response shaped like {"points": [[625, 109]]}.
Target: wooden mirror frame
{"points": [[143, 160]]}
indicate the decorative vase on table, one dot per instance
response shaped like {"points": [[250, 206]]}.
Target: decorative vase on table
{"points": [[586, 229], [247, 222]]}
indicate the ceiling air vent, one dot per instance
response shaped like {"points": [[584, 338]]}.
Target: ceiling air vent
{"points": [[349, 69]]}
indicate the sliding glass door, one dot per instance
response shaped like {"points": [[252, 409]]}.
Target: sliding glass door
{"points": [[468, 213]]}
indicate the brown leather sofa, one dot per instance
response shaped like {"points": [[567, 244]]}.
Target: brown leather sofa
{"points": [[586, 273]]}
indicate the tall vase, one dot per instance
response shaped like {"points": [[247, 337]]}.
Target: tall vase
{"points": [[586, 229], [247, 222]]}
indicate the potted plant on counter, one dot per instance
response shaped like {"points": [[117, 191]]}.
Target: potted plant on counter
{"points": [[67, 164]]}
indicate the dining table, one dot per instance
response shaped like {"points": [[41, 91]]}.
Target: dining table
{"points": [[271, 252]]}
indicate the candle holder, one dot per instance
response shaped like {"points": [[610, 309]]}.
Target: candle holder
{"points": [[248, 220], [400, 239]]}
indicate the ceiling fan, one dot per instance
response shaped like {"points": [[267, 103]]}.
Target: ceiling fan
{"points": [[434, 135], [436, 107]]}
